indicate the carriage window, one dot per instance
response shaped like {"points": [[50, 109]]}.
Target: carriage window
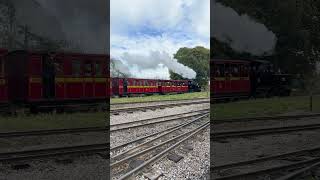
{"points": [[88, 69], [234, 70], [98, 68], [219, 70], [227, 71], [244, 71], [76, 67]]}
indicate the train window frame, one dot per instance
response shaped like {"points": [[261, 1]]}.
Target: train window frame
{"points": [[221, 68], [98, 70], [91, 68], [76, 72], [234, 70]]}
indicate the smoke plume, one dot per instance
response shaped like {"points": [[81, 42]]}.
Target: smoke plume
{"points": [[81, 22], [155, 60], [241, 32]]}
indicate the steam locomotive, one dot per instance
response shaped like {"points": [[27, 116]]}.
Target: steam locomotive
{"points": [[246, 78]]}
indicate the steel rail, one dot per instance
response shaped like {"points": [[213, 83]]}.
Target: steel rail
{"points": [[149, 119], [155, 122], [264, 118], [144, 137], [154, 106], [264, 159], [158, 137], [38, 153], [52, 131], [238, 134], [270, 170], [161, 154], [154, 147], [298, 172]]}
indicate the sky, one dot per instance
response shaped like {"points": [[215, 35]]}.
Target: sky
{"points": [[144, 34]]}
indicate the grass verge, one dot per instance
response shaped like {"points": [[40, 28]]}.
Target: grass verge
{"points": [[51, 121], [160, 97], [265, 107]]}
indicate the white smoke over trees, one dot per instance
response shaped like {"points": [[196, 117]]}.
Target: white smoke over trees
{"points": [[240, 31], [80, 25], [155, 60], [118, 69]]}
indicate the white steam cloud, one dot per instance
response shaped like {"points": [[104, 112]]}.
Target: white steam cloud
{"points": [[151, 65], [240, 31]]}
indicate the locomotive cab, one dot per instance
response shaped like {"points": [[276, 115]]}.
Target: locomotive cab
{"points": [[193, 86], [267, 82]]}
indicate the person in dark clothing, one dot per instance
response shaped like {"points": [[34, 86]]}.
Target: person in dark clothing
{"points": [[253, 81], [48, 76]]}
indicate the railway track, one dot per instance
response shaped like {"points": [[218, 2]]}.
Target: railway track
{"points": [[264, 118], [116, 111], [156, 120], [273, 166], [261, 131], [154, 148], [50, 152], [52, 132], [279, 166]]}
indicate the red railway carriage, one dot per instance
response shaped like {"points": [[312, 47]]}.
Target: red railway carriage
{"points": [[132, 86], [38, 77], [140, 86], [117, 87], [230, 78], [169, 86]]}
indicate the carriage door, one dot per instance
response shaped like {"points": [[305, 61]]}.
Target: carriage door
{"points": [[88, 79], [48, 78], [228, 74], [125, 86]]}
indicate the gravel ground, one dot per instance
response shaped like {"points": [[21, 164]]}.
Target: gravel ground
{"points": [[153, 103], [194, 165], [81, 168], [37, 142], [199, 156], [243, 125], [128, 117], [243, 149], [121, 137]]}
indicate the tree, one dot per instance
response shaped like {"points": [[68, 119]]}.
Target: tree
{"points": [[197, 59]]}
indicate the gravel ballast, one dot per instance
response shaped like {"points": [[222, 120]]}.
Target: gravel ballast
{"points": [[194, 164], [80, 168]]}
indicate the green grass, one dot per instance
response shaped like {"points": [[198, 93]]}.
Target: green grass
{"points": [[51, 121], [161, 97], [265, 107]]}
